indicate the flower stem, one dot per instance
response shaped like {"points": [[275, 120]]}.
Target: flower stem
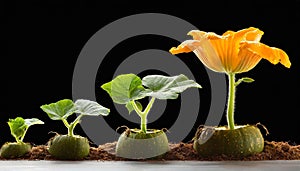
{"points": [[231, 101]]}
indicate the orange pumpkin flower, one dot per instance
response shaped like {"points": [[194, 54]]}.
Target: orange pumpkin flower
{"points": [[232, 52]]}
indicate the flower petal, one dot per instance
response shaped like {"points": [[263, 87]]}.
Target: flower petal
{"points": [[179, 49], [197, 34], [272, 54], [250, 34], [203, 50], [228, 48], [248, 60], [254, 35]]}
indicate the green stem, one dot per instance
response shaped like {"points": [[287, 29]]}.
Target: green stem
{"points": [[231, 101], [70, 132], [144, 123], [72, 126], [22, 138], [18, 140], [143, 115], [66, 123]]}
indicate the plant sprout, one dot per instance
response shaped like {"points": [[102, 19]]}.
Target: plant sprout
{"points": [[62, 109], [127, 89], [19, 126], [70, 146]]}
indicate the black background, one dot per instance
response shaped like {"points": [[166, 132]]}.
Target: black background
{"points": [[44, 38]]}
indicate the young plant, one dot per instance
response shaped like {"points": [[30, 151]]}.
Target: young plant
{"points": [[71, 146], [18, 128], [127, 89], [231, 53]]}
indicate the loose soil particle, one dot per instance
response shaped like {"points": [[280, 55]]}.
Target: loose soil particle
{"points": [[178, 151]]}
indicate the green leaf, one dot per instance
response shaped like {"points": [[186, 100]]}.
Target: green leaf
{"points": [[244, 79], [91, 108], [130, 107], [59, 110], [107, 87], [166, 87], [17, 127], [247, 80], [33, 121], [124, 88]]}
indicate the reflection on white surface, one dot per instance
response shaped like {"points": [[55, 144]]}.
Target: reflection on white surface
{"points": [[44, 165]]}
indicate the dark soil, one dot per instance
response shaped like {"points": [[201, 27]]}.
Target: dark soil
{"points": [[178, 151]]}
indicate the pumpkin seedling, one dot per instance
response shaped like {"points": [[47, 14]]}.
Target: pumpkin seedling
{"points": [[71, 146], [127, 89], [18, 128]]}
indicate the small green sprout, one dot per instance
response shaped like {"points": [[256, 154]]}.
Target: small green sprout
{"points": [[70, 146], [18, 128], [62, 109]]}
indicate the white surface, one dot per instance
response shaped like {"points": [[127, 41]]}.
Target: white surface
{"points": [[44, 165]]}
